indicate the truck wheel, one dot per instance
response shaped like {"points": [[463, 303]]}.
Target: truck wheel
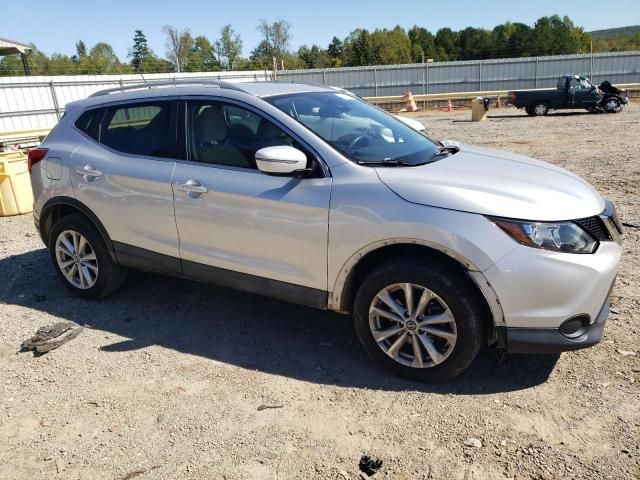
{"points": [[612, 105], [529, 111], [421, 320], [540, 109], [81, 258]]}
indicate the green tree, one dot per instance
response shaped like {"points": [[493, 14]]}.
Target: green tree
{"points": [[142, 58], [201, 57], [276, 37], [314, 57], [228, 46], [422, 43], [447, 44]]}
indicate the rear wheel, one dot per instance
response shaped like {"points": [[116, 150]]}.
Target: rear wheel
{"points": [[421, 322], [539, 109], [529, 111], [81, 258]]}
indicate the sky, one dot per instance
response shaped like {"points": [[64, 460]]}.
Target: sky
{"points": [[54, 26]]}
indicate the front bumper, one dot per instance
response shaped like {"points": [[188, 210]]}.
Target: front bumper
{"points": [[550, 340]]}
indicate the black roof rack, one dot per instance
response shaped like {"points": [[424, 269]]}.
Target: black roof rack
{"points": [[167, 83]]}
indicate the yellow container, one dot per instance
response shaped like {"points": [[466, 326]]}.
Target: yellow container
{"points": [[478, 112], [16, 196]]}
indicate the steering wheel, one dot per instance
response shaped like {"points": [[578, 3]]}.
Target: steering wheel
{"points": [[355, 141]]}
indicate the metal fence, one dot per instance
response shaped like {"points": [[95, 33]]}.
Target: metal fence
{"points": [[473, 75], [28, 103], [38, 102]]}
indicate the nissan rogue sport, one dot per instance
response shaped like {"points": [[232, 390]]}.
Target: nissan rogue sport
{"points": [[311, 195]]}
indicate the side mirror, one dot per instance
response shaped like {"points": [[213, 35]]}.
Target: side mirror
{"points": [[280, 160], [450, 143]]}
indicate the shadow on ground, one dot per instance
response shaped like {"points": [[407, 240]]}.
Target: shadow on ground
{"points": [[551, 114], [245, 330]]}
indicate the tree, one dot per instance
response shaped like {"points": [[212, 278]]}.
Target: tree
{"points": [[142, 58], [358, 48], [475, 43], [275, 40], [447, 43], [81, 49], [422, 43], [103, 59], [228, 46], [335, 48], [178, 46], [314, 57], [201, 57]]}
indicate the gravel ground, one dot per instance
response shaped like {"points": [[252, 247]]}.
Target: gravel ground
{"points": [[166, 379]]}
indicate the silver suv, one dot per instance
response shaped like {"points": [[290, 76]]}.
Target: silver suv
{"points": [[311, 195]]}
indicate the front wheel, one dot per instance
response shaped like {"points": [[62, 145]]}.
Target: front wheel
{"points": [[612, 105], [81, 258], [421, 322]]}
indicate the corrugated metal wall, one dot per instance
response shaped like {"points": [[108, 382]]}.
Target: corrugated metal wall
{"points": [[474, 75], [28, 103], [38, 103]]}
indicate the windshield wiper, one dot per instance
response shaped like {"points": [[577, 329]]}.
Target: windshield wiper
{"points": [[387, 162]]}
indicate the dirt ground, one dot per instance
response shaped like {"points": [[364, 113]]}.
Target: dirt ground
{"points": [[166, 379]]}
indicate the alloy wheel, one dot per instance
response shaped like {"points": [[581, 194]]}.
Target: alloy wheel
{"points": [[76, 259], [412, 325]]}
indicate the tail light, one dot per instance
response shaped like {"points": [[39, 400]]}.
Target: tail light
{"points": [[35, 155]]}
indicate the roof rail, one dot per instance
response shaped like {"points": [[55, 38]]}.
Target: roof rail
{"points": [[167, 83]]}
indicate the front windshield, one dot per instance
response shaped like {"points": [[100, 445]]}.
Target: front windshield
{"points": [[362, 132]]}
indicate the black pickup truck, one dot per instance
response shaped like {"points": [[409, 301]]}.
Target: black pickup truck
{"points": [[573, 91]]}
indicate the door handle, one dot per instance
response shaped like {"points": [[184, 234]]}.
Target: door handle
{"points": [[192, 186], [88, 171]]}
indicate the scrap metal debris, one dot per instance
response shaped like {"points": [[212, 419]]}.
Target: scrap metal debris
{"points": [[264, 407], [49, 338], [369, 465]]}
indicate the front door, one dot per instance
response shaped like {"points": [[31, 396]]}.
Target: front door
{"points": [[239, 226]]}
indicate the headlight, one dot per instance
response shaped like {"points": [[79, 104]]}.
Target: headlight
{"points": [[567, 237]]}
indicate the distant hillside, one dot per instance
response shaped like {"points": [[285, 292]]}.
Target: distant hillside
{"points": [[612, 33]]}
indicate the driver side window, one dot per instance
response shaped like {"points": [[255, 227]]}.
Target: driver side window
{"points": [[226, 134]]}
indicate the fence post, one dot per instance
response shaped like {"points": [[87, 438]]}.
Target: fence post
{"points": [[375, 80], [426, 102], [55, 99], [535, 81], [480, 75], [324, 76]]}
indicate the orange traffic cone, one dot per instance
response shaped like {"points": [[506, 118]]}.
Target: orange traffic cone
{"points": [[409, 102], [449, 106]]}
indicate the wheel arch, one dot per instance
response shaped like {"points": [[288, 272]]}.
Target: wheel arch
{"points": [[368, 258], [60, 207]]}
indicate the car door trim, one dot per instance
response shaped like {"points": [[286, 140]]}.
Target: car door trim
{"points": [[146, 260]]}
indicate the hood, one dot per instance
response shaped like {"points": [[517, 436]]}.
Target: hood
{"points": [[491, 182]]}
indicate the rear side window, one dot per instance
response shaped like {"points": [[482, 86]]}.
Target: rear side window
{"points": [[88, 122], [140, 129]]}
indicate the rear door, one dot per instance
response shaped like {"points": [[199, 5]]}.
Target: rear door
{"points": [[122, 172], [240, 226]]}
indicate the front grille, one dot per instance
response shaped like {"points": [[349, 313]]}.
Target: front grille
{"points": [[595, 227]]}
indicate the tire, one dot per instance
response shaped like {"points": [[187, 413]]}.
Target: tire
{"points": [[96, 275], [529, 111], [539, 109], [455, 297], [612, 105]]}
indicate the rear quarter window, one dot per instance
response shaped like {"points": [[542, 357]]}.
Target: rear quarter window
{"points": [[88, 122]]}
